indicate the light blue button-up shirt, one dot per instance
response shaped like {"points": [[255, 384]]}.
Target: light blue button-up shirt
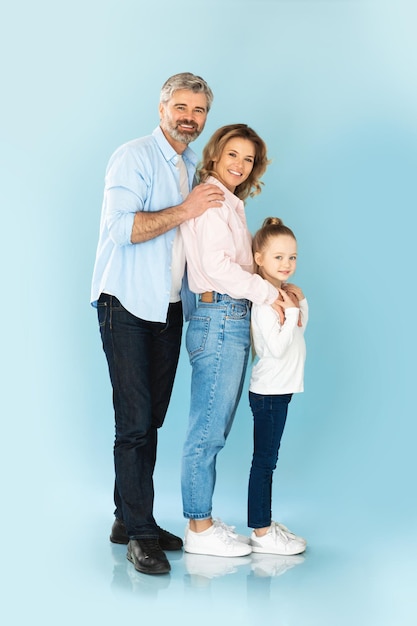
{"points": [[141, 176]]}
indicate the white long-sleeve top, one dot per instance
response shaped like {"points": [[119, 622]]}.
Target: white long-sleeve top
{"points": [[280, 349]]}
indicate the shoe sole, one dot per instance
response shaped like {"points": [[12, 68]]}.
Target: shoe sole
{"points": [[212, 553], [266, 551], [144, 570], [164, 546], [121, 541]]}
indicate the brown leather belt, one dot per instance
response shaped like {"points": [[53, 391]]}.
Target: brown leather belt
{"points": [[214, 296], [207, 296]]}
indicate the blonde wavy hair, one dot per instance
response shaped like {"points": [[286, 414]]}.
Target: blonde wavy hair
{"points": [[213, 151]]}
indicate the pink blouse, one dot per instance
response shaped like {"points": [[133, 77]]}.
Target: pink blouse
{"points": [[218, 248]]}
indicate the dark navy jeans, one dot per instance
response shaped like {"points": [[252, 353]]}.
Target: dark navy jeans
{"points": [[269, 417], [142, 357]]}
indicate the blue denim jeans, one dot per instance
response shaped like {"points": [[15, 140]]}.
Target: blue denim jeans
{"points": [[142, 358], [218, 341], [269, 417]]}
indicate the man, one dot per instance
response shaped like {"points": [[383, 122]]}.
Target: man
{"points": [[139, 291]]}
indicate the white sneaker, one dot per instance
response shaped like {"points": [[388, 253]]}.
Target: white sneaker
{"points": [[229, 529], [277, 541], [215, 541], [289, 532], [232, 532]]}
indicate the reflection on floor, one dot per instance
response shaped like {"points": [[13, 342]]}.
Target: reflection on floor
{"points": [[353, 573], [351, 584], [198, 570]]}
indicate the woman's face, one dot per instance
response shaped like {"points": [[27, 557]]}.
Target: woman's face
{"points": [[235, 163]]}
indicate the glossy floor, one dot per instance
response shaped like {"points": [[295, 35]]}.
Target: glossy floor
{"points": [[328, 585], [350, 575]]}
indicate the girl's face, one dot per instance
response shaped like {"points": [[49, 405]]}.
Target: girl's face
{"points": [[278, 260], [235, 163]]}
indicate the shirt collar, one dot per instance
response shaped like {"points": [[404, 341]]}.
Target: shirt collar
{"points": [[230, 197], [169, 152]]}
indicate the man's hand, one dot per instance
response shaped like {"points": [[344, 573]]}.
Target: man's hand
{"points": [[202, 197], [150, 224]]}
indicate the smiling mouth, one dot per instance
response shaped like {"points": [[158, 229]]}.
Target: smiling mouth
{"points": [[234, 173], [186, 126]]}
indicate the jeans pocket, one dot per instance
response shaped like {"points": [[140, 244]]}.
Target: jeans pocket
{"points": [[197, 333], [102, 310], [237, 310]]}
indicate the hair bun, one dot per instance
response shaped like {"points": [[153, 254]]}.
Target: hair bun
{"points": [[272, 221]]}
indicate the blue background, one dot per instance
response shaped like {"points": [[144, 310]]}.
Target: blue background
{"points": [[332, 88]]}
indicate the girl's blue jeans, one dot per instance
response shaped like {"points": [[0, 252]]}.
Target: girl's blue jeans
{"points": [[269, 417]]}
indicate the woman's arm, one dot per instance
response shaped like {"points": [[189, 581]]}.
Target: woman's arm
{"points": [[273, 337], [217, 246]]}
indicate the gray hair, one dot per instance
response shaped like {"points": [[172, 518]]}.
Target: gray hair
{"points": [[186, 80]]}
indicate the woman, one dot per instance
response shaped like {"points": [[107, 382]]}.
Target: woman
{"points": [[218, 248]]}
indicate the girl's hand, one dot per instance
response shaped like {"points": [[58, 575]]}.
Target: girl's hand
{"points": [[293, 290], [295, 294], [283, 302], [287, 299]]}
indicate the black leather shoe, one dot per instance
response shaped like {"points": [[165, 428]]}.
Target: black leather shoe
{"points": [[167, 541], [147, 556], [118, 533]]}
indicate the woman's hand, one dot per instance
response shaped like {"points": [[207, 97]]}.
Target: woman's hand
{"points": [[294, 294], [287, 299], [293, 290], [284, 301]]}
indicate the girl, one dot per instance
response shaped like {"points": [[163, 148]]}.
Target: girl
{"points": [[278, 374], [220, 267]]}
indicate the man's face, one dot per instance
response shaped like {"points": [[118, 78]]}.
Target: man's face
{"points": [[184, 116]]}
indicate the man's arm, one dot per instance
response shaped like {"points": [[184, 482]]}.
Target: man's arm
{"points": [[150, 224]]}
